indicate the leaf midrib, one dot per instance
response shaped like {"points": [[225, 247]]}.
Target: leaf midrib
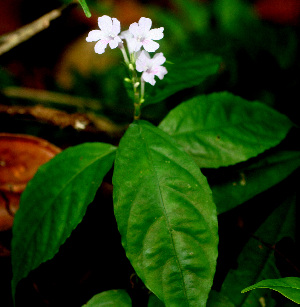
{"points": [[165, 213]]}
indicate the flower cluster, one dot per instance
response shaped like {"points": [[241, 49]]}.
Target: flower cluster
{"points": [[140, 40]]}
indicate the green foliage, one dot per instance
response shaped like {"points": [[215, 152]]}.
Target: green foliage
{"points": [[166, 216], [55, 202], [233, 187], [238, 20], [83, 5], [85, 8], [256, 261], [289, 287], [154, 301], [164, 205], [216, 299], [221, 129], [183, 74], [111, 298]]}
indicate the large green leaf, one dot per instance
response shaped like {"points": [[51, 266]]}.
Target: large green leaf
{"points": [[110, 298], [234, 188], [257, 262], [221, 129], [166, 216], [54, 203], [289, 287], [184, 73]]}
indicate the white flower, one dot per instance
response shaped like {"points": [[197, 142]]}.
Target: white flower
{"points": [[144, 36], [130, 40], [151, 67], [108, 34]]}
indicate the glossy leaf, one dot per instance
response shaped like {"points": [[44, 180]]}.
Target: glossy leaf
{"points": [[54, 203], [221, 129], [257, 261], [235, 187], [110, 298], [166, 216], [289, 287], [182, 74]]}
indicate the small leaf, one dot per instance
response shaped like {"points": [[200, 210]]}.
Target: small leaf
{"points": [[221, 129], [85, 8], [289, 287], [184, 73], [54, 203], [166, 216], [83, 5], [257, 261], [235, 187], [113, 298]]}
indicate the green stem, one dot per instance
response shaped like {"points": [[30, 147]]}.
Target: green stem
{"points": [[142, 90], [137, 111], [136, 97], [124, 54]]}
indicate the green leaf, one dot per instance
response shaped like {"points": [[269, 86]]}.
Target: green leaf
{"points": [[257, 261], [83, 5], [240, 185], [112, 298], [184, 73], [54, 203], [221, 129], [289, 287], [85, 8], [216, 299], [154, 301], [166, 216]]}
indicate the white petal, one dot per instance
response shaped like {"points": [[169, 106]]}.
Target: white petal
{"points": [[143, 61], [130, 40], [139, 66], [162, 71], [138, 45], [126, 35], [148, 78], [94, 36], [156, 34], [114, 43], [132, 45], [116, 26], [100, 46], [105, 24], [145, 24], [134, 29], [150, 45], [158, 59]]}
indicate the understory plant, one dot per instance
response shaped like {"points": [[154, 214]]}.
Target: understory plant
{"points": [[165, 207]]}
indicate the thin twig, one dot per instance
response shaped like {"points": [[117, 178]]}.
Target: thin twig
{"points": [[11, 40], [83, 122], [43, 96]]}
